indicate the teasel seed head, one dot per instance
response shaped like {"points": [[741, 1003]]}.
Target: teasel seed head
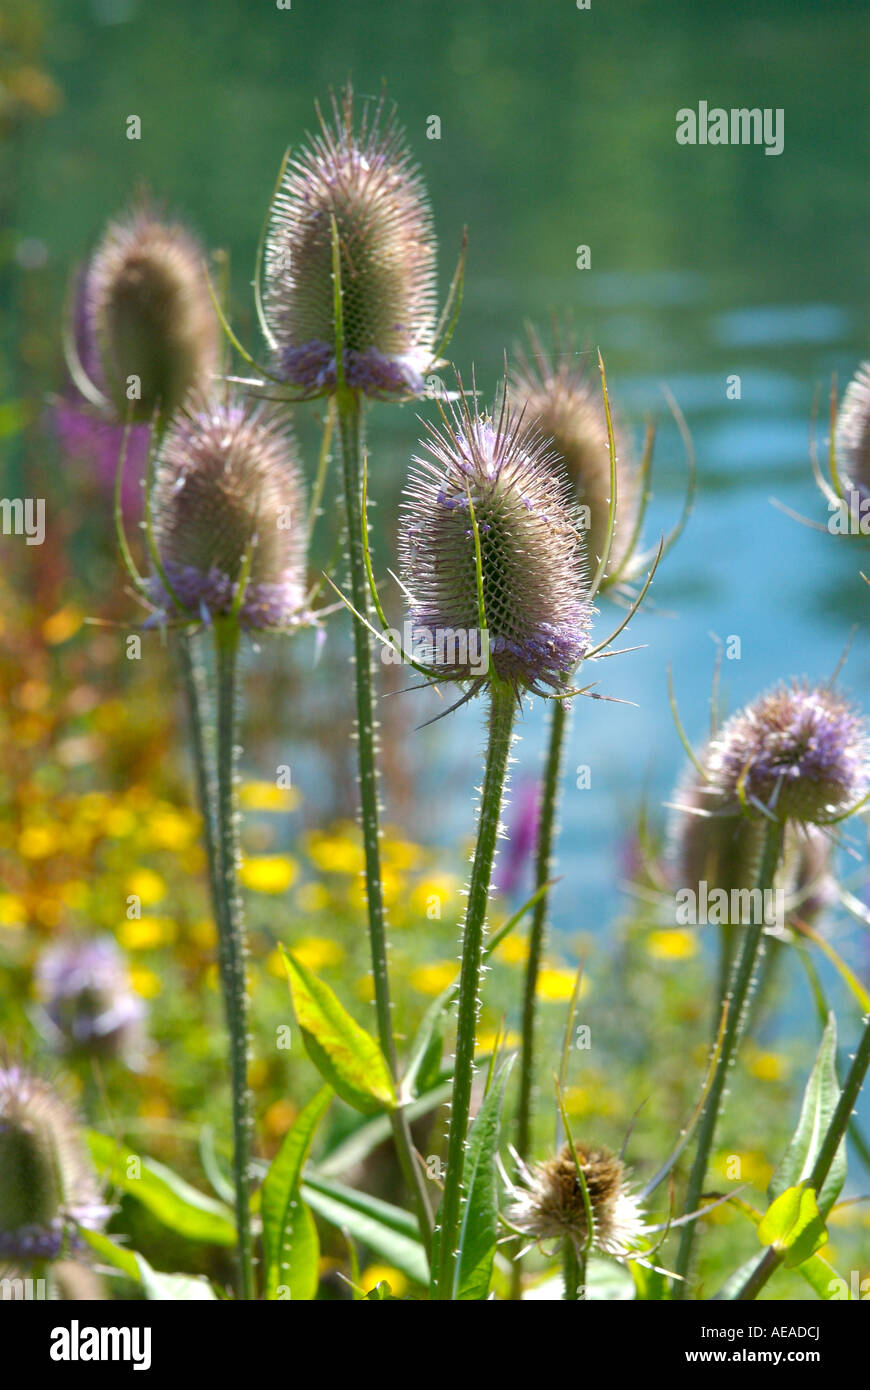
{"points": [[148, 314], [798, 753], [852, 438], [88, 1001], [710, 841], [532, 562], [365, 179], [228, 508], [47, 1183], [566, 404], [548, 1203]]}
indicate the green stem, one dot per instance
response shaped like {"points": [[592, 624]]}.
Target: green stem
{"points": [[350, 425], [502, 709], [573, 1274], [537, 935], [193, 679], [548, 809], [231, 934], [737, 997], [771, 1259]]}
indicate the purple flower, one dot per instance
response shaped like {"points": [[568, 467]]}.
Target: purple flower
{"points": [[87, 999], [797, 753]]}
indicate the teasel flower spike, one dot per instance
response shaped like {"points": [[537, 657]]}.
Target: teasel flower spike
{"points": [[488, 544], [142, 307], [551, 777], [795, 755], [49, 1189], [226, 558]]}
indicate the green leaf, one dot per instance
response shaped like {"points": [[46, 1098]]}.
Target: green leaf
{"points": [[478, 1229], [344, 1053], [651, 1286], [793, 1226], [180, 1207], [372, 1133], [376, 1224], [186, 1287], [290, 1244], [819, 1102], [179, 1288], [820, 1276], [424, 1061], [112, 1254]]}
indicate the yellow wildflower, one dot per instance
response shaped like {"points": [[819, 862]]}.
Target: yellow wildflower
{"points": [[147, 933], [377, 1274], [147, 886], [556, 984], [145, 982], [266, 796], [269, 873], [62, 625], [432, 979], [672, 945]]}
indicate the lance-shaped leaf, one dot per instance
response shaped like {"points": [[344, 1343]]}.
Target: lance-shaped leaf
{"points": [[290, 1243], [478, 1229], [346, 1056], [793, 1226], [176, 1287], [385, 1229], [184, 1209], [819, 1102]]}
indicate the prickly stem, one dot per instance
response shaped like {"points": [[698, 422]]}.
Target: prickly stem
{"points": [[502, 710], [738, 995]]}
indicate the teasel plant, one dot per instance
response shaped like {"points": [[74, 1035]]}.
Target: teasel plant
{"points": [[49, 1196], [345, 293], [140, 332], [611, 490], [226, 536], [792, 762], [490, 543]]}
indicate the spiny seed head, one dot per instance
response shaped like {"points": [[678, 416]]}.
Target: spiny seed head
{"points": [[711, 842], [47, 1183], [799, 751], [566, 404], [147, 305], [366, 181], [852, 439], [549, 1205], [229, 509], [88, 1000], [532, 563]]}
